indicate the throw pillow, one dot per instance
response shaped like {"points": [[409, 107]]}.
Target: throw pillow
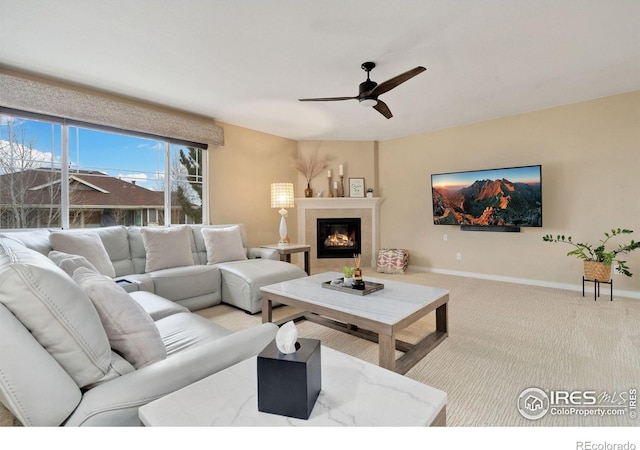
{"points": [[167, 247], [69, 263], [85, 243], [56, 311], [223, 244], [131, 331]]}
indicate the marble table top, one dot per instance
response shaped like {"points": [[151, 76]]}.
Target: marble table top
{"points": [[354, 393], [390, 305]]}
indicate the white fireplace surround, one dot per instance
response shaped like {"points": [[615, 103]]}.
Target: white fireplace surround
{"points": [[316, 207]]}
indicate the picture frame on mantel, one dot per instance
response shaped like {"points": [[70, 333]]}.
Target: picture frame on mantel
{"points": [[356, 187]]}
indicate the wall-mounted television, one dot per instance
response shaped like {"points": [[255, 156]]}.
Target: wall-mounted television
{"points": [[493, 200]]}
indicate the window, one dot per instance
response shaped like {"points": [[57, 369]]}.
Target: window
{"points": [[112, 177], [29, 173], [187, 188]]}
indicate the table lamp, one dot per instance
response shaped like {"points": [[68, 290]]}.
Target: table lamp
{"points": [[282, 197]]}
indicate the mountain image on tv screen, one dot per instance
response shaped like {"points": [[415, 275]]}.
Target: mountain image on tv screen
{"points": [[510, 197]]}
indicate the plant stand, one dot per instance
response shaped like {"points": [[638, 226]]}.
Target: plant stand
{"points": [[596, 287]]}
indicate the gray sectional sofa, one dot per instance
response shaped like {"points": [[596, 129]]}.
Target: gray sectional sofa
{"points": [[83, 349], [195, 286]]}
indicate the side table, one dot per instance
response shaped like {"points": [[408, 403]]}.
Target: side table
{"points": [[285, 251]]}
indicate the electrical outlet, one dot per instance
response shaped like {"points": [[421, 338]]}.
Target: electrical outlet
{"points": [[445, 237], [459, 256]]}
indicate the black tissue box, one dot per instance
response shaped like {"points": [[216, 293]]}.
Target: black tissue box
{"points": [[289, 384]]}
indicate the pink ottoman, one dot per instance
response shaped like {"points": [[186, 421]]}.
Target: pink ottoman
{"points": [[392, 260]]}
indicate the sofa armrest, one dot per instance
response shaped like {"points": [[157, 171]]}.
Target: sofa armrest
{"points": [[139, 282], [116, 402], [33, 386], [263, 253]]}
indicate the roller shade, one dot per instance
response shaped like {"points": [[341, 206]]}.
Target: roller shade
{"points": [[22, 94]]}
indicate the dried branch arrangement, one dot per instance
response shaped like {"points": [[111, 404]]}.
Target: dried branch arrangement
{"points": [[312, 166]]}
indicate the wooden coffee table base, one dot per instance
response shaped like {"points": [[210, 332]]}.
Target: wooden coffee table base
{"points": [[384, 336]]}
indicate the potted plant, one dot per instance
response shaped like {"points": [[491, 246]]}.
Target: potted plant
{"points": [[370, 193], [348, 275], [597, 259]]}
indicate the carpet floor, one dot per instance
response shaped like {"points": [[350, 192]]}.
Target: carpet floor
{"points": [[503, 338]]}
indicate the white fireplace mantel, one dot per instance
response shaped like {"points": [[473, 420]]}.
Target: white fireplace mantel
{"points": [[338, 203], [332, 203]]}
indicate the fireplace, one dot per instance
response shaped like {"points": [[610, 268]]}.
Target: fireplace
{"points": [[338, 238], [309, 210]]}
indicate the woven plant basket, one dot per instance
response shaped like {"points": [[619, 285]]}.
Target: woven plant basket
{"points": [[594, 270]]}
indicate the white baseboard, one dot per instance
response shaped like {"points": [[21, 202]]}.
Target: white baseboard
{"points": [[527, 281]]}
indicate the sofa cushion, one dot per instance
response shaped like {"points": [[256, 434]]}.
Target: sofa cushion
{"points": [[157, 307], [183, 330], [130, 329], [179, 283], [136, 247], [167, 247], [56, 311], [201, 248], [84, 243], [223, 244], [242, 280], [69, 263], [116, 242], [36, 239]]}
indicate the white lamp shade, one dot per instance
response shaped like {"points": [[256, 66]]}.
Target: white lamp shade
{"points": [[282, 195]]}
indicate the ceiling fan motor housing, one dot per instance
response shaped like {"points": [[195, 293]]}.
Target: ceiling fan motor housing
{"points": [[366, 87]]}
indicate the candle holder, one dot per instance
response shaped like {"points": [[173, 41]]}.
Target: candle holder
{"points": [[341, 187], [330, 190]]}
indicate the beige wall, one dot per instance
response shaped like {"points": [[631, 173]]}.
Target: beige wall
{"points": [[358, 159], [241, 172], [590, 166], [240, 177], [590, 160]]}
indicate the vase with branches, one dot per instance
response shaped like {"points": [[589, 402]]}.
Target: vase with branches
{"points": [[309, 168]]}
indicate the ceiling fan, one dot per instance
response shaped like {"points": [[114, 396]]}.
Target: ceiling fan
{"points": [[370, 90]]}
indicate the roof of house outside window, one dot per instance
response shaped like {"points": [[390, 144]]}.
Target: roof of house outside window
{"points": [[87, 189]]}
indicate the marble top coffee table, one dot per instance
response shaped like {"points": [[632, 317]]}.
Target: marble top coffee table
{"points": [[377, 316], [354, 393]]}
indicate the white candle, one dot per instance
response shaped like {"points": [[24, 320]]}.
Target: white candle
{"points": [[329, 173], [335, 185], [341, 171]]}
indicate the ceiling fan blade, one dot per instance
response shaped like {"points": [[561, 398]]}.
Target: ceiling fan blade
{"points": [[396, 81], [383, 109], [328, 99]]}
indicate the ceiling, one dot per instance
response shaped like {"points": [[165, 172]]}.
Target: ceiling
{"points": [[247, 62]]}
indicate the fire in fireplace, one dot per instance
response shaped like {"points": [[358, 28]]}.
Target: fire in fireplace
{"points": [[338, 238]]}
